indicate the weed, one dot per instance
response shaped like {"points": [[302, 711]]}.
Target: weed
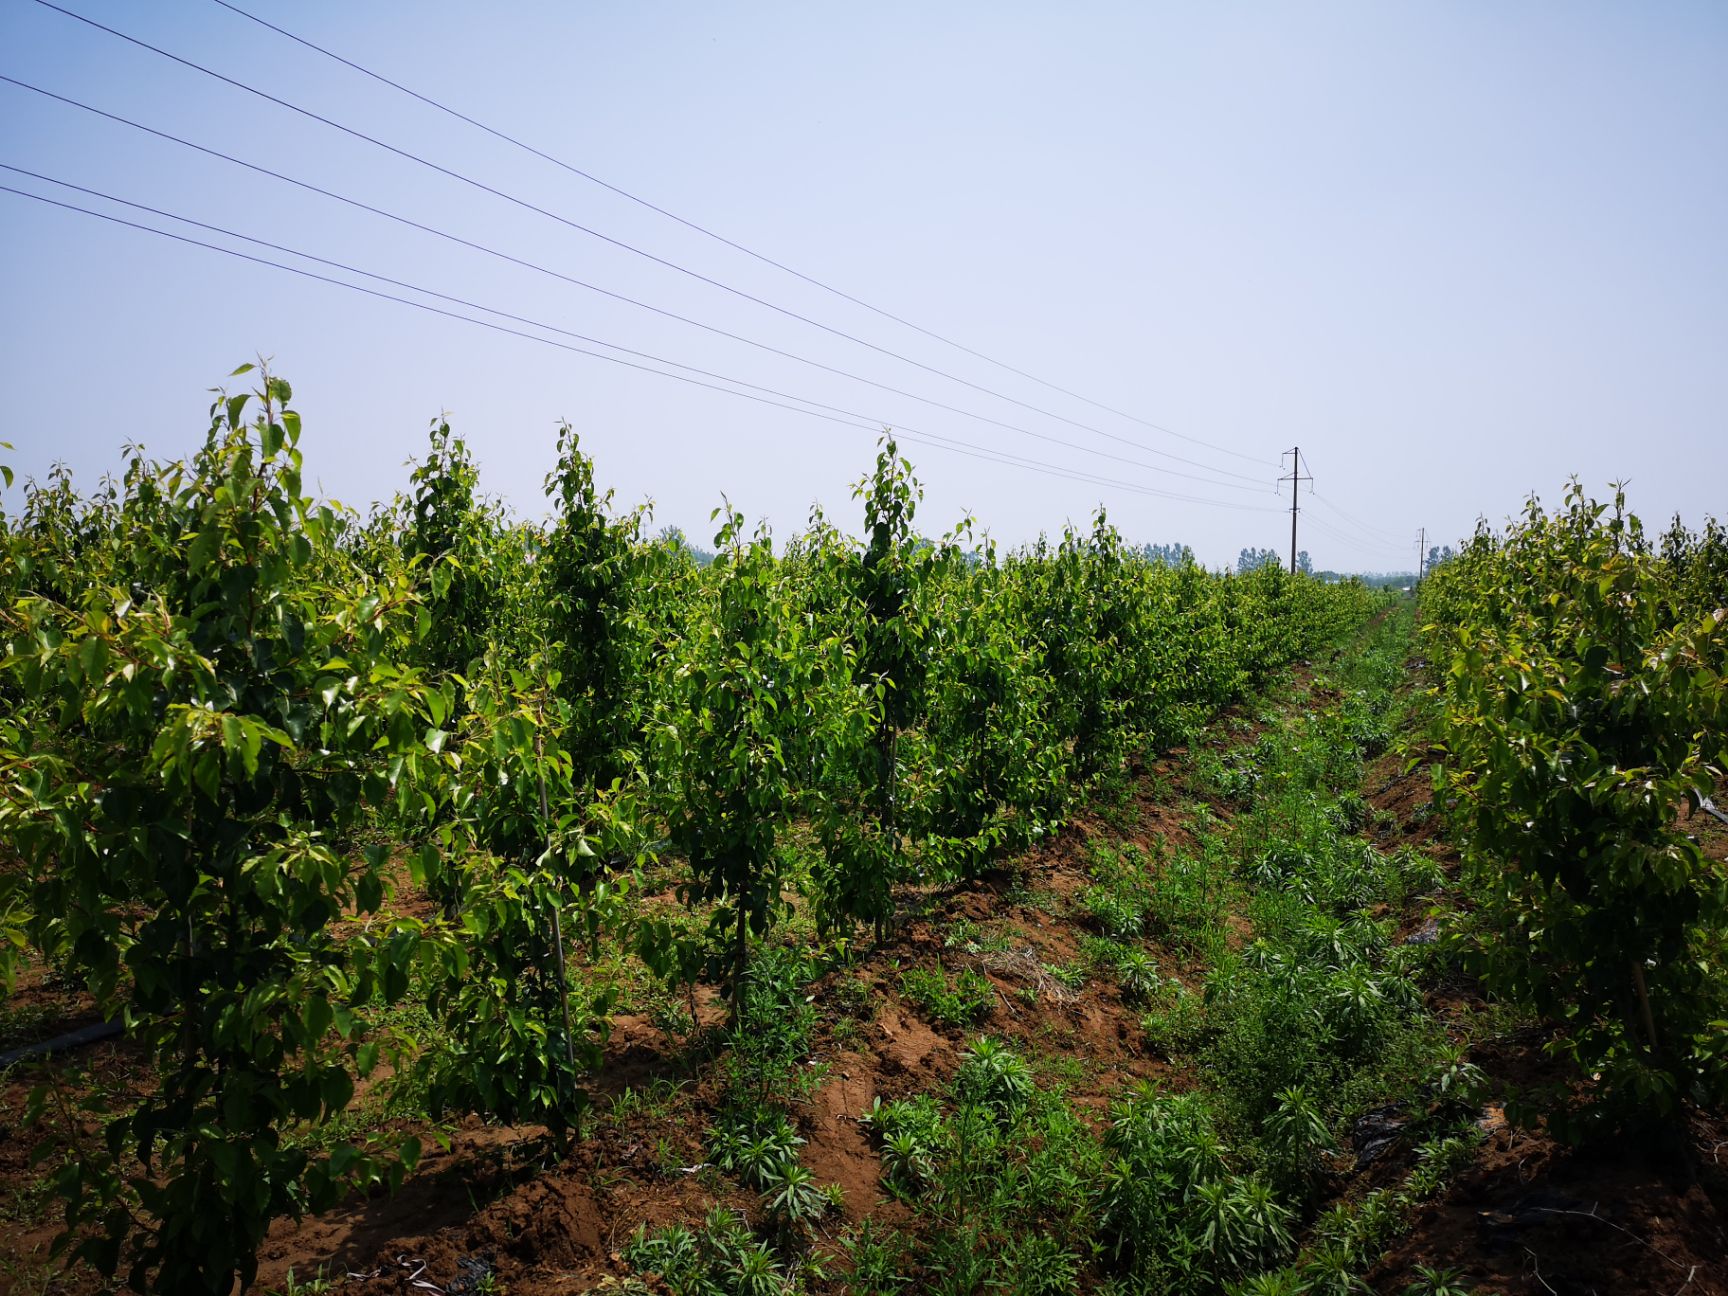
{"points": [[1177, 1019], [1438, 1160], [652, 1103], [994, 1076], [1438, 1282], [1137, 974], [965, 1002], [772, 1035], [1295, 1137], [909, 1133], [1458, 1086], [1133, 969], [879, 1259], [718, 1256], [668, 1164], [1170, 1206], [1038, 1265], [316, 1285], [960, 1261], [1062, 1067], [1272, 1282], [967, 936], [1116, 911], [756, 1145], [790, 1194], [672, 1017], [1331, 1270], [853, 996]]}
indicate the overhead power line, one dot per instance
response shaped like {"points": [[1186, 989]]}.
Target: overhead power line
{"points": [[1355, 543], [869, 420], [1351, 545], [1319, 524], [1388, 537], [845, 419], [716, 330], [765, 259], [526, 205]]}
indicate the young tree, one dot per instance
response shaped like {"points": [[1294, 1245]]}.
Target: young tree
{"points": [[471, 563], [523, 844], [739, 692], [1578, 716], [210, 716], [1086, 608], [994, 769], [889, 583], [589, 584]]}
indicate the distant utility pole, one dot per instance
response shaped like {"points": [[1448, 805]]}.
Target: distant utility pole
{"points": [[1295, 478], [1421, 556]]}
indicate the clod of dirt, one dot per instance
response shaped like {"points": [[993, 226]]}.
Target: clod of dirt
{"points": [[1375, 1131], [1427, 934], [472, 1273]]}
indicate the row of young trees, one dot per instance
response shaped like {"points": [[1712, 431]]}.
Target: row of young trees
{"points": [[238, 727], [1583, 676]]}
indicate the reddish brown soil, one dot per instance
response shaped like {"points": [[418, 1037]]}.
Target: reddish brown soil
{"points": [[1407, 796], [1533, 1217], [1528, 1217]]}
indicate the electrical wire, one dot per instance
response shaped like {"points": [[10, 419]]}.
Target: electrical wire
{"points": [[526, 205], [632, 301], [868, 420], [721, 238], [1370, 537], [1354, 543], [935, 440], [1377, 532]]}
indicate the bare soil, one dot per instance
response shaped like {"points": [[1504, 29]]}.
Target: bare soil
{"points": [[1528, 1217]]}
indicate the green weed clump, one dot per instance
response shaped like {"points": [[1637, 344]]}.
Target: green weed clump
{"points": [[721, 1254], [1174, 1215], [964, 1001], [1175, 1022], [994, 1076]]}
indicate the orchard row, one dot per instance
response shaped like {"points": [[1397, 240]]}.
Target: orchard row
{"points": [[269, 770], [1584, 726]]}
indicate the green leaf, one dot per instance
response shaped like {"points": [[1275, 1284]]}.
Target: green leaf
{"points": [[318, 1016]]}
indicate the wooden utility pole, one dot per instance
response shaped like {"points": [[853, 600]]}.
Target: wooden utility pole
{"points": [[1295, 478], [1421, 556]]}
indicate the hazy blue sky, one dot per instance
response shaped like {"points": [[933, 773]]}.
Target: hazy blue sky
{"points": [[1457, 252]]}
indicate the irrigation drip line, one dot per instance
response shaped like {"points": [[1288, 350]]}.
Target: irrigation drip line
{"points": [[91, 1034]]}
